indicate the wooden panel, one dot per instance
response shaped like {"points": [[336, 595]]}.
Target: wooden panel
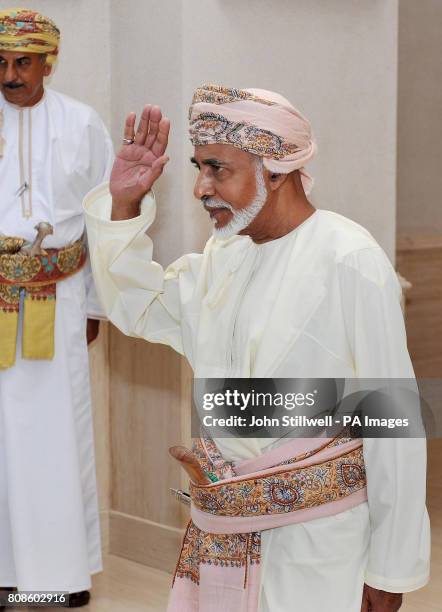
{"points": [[429, 598], [144, 541], [423, 268], [146, 419], [413, 242], [99, 374]]}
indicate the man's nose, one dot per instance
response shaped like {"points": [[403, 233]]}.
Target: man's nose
{"points": [[203, 187], [10, 73]]}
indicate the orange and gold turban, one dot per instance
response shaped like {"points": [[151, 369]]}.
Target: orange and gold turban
{"points": [[28, 31]]}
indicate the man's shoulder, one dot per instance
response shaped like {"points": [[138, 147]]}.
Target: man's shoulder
{"points": [[71, 108], [342, 236], [351, 248]]}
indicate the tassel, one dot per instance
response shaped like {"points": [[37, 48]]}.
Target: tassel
{"points": [[38, 325]]}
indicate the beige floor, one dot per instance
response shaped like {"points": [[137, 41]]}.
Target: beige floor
{"points": [[126, 586]]}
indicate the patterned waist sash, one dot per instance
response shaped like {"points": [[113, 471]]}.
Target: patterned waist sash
{"points": [[218, 567], [35, 277]]}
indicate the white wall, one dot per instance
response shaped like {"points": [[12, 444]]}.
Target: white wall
{"points": [[336, 61], [419, 118], [146, 68]]}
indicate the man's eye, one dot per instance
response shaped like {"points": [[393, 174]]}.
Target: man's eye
{"points": [[217, 169]]}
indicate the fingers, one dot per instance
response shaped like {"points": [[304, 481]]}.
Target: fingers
{"points": [[154, 120], [162, 137], [152, 132], [143, 126], [129, 126]]}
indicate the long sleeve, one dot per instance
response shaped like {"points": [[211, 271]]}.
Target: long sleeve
{"points": [[399, 554], [101, 155], [94, 308], [137, 295]]}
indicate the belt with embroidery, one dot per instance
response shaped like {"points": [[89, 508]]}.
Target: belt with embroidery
{"points": [[35, 277], [223, 537]]}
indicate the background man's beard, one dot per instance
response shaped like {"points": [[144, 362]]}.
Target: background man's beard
{"points": [[241, 218]]}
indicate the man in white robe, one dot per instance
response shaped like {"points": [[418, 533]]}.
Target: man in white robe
{"points": [[281, 290], [53, 151]]}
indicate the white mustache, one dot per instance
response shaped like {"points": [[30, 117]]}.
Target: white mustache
{"points": [[241, 218], [211, 203]]}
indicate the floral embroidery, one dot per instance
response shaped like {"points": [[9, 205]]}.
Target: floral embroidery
{"points": [[211, 459], [10, 244], [46, 292], [350, 473], [217, 94], [34, 277], [69, 257], [224, 550], [9, 298], [281, 494], [20, 269], [212, 128], [287, 491], [49, 262]]}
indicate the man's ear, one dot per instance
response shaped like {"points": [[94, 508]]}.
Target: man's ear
{"points": [[276, 180], [47, 70]]}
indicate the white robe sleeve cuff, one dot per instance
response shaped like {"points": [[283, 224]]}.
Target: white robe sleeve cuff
{"points": [[137, 295], [98, 207], [397, 585]]}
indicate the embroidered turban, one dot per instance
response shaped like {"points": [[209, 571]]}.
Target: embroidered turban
{"points": [[28, 31], [257, 121]]}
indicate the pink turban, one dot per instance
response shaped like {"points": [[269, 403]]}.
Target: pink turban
{"points": [[257, 121]]}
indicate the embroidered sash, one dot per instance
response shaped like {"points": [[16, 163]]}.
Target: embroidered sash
{"points": [[36, 278], [218, 567]]}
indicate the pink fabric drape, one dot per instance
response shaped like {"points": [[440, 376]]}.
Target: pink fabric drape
{"points": [[219, 567]]}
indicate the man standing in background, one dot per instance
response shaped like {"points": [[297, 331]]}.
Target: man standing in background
{"points": [[53, 150]]}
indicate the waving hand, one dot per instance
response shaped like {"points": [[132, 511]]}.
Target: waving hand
{"points": [[140, 161]]}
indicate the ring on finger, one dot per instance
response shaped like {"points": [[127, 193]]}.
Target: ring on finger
{"points": [[128, 141]]}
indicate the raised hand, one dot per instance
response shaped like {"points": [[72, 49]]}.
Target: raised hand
{"points": [[138, 165]]}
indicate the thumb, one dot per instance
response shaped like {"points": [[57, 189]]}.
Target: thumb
{"points": [[159, 164], [151, 175]]}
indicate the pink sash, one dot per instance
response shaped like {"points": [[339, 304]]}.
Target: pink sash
{"points": [[218, 568]]}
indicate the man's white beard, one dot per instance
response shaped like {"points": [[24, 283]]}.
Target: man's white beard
{"points": [[241, 218]]}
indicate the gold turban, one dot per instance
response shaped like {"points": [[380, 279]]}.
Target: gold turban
{"points": [[28, 31]]}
